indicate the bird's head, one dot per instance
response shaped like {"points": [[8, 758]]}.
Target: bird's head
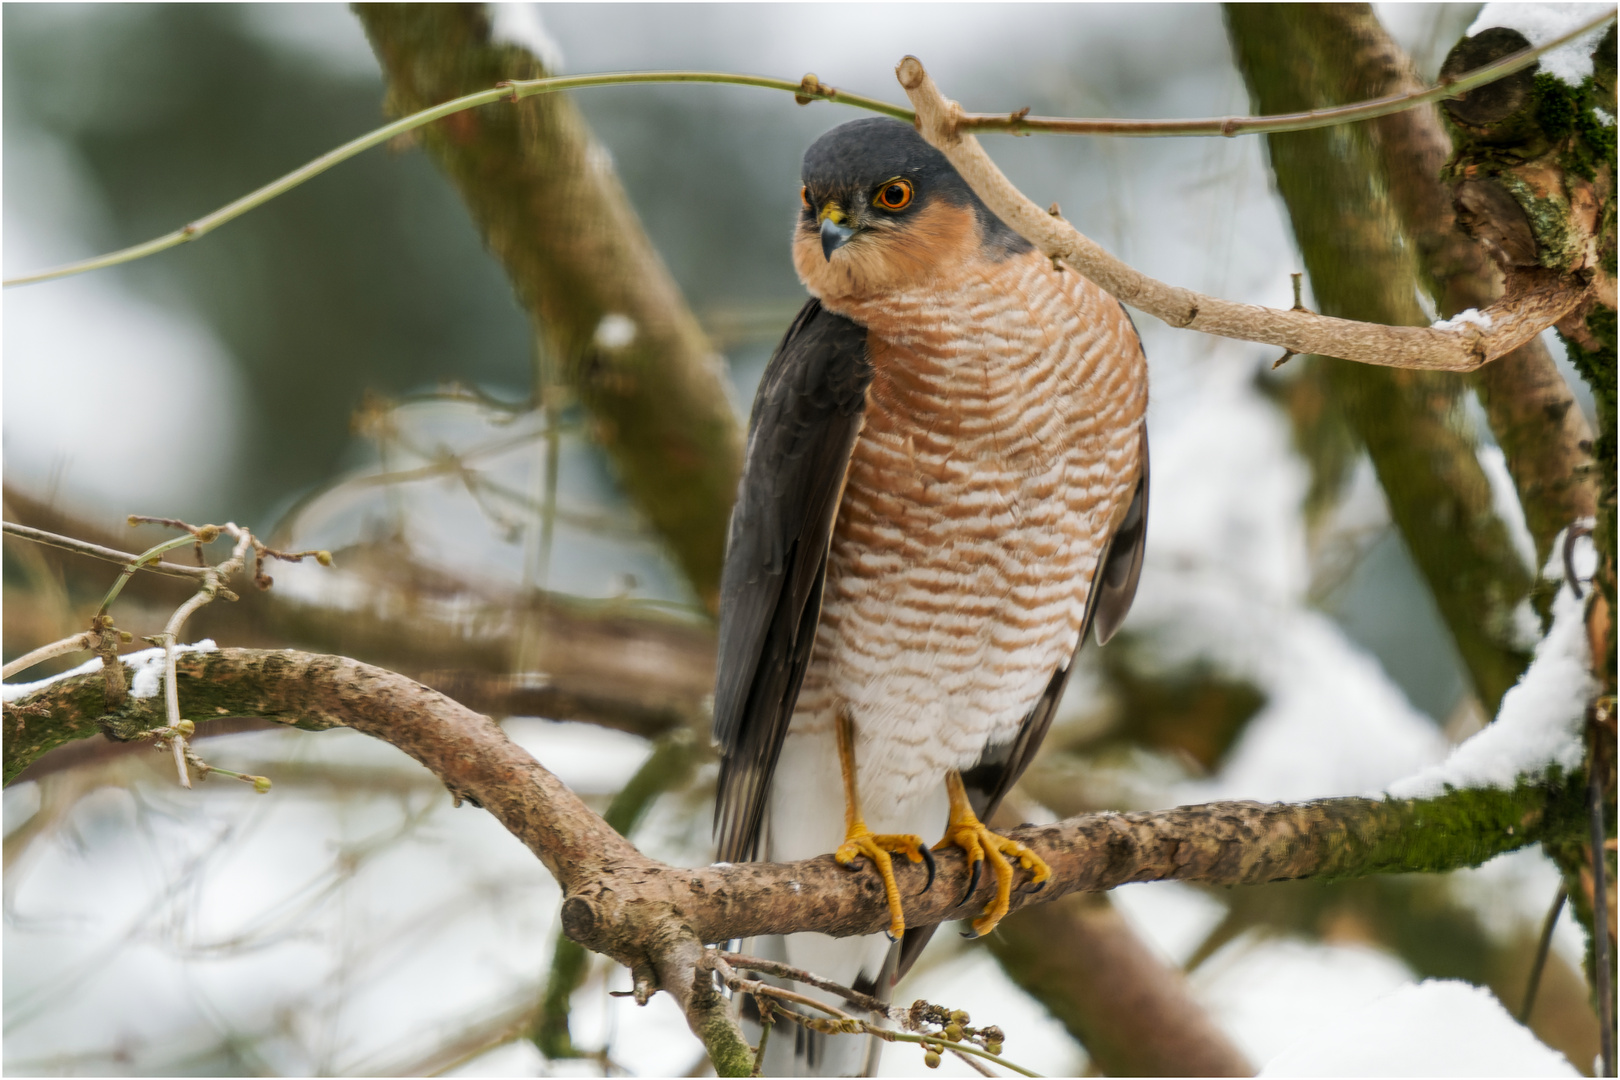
{"points": [[881, 209]]}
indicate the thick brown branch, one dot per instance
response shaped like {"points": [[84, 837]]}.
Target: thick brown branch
{"points": [[617, 897], [1510, 323]]}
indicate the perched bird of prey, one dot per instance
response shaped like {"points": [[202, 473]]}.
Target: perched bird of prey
{"points": [[945, 490]]}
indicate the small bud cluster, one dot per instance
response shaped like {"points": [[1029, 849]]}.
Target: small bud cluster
{"points": [[951, 1026]]}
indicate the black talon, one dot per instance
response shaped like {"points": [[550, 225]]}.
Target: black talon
{"points": [[971, 934], [928, 859], [973, 882], [892, 939]]}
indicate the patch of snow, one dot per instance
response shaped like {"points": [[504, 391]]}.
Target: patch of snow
{"points": [[1439, 1027], [1505, 501], [1541, 23], [1471, 317], [521, 25], [1225, 584], [1172, 917], [615, 331], [1511, 894], [1539, 723], [1264, 991], [146, 672]]}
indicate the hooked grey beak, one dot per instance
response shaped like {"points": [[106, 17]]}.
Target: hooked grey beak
{"points": [[833, 237]]}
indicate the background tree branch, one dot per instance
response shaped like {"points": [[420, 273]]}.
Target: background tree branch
{"points": [[611, 318], [1350, 234]]}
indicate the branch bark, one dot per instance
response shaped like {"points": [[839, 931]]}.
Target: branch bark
{"points": [[544, 195], [654, 918]]}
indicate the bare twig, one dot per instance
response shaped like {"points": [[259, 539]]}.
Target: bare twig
{"points": [[1507, 324], [1543, 947], [76, 643], [97, 551], [1602, 950], [809, 978], [171, 631], [972, 1063], [1020, 123], [959, 1040]]}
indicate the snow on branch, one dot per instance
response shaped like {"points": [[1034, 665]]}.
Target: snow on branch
{"points": [[1540, 727]]}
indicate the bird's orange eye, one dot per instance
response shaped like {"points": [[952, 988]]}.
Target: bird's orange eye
{"points": [[804, 197], [895, 195]]}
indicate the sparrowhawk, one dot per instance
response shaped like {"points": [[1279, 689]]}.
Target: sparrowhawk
{"points": [[945, 489]]}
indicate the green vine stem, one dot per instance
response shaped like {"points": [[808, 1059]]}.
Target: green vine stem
{"points": [[805, 91]]}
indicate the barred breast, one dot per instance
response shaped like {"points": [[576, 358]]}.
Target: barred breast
{"points": [[999, 448]]}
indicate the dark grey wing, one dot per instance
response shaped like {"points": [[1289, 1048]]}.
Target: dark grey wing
{"points": [[1112, 590], [806, 417]]}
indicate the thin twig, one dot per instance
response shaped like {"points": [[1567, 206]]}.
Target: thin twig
{"points": [[805, 90], [845, 1023], [171, 631], [96, 551], [1542, 948], [972, 1063], [765, 1027], [808, 978], [1602, 956], [1020, 123], [76, 643], [151, 554], [738, 984]]}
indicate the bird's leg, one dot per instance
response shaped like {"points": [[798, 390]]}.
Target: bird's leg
{"points": [[967, 832], [859, 840]]}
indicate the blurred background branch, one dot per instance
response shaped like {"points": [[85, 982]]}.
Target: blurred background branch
{"points": [[613, 321]]}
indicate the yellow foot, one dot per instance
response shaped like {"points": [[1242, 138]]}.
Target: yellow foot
{"points": [[982, 846], [876, 847]]}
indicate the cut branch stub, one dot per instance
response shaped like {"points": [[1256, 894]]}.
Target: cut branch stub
{"points": [[1491, 104]]}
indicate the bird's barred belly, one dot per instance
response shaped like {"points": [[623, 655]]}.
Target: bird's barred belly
{"points": [[993, 461]]}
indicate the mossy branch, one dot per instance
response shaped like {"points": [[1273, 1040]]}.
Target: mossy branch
{"points": [[655, 918], [1220, 843]]}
